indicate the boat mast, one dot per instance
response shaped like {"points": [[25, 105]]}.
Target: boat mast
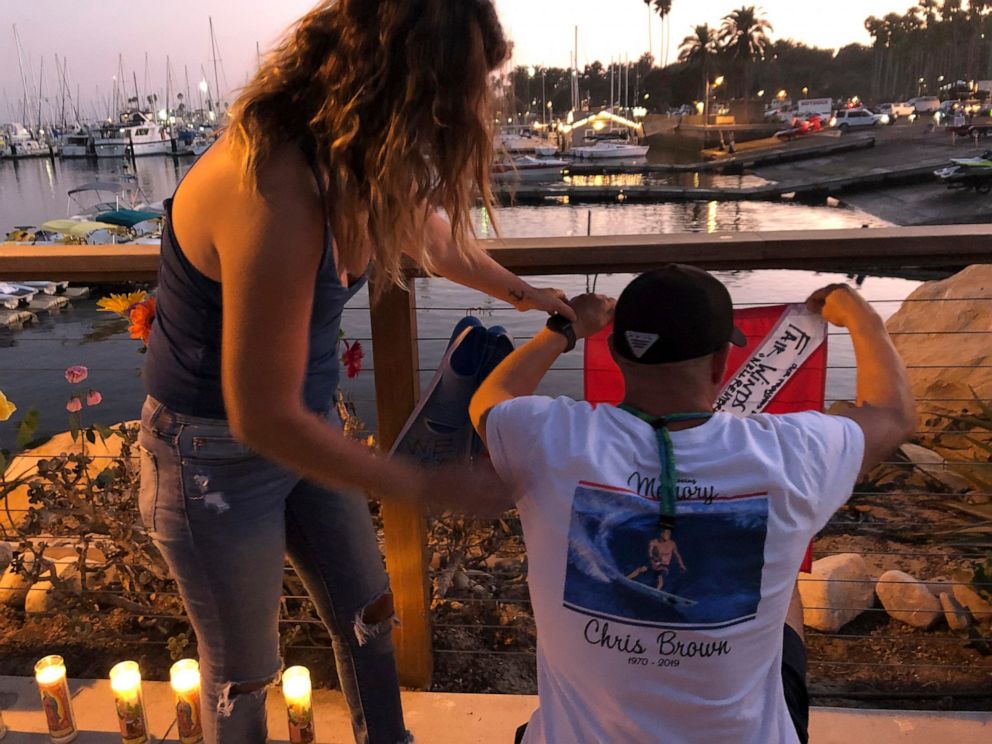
{"points": [[168, 89], [137, 96], [58, 72], [24, 83], [41, 82], [213, 51]]}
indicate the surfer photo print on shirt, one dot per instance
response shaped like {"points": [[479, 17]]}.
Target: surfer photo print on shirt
{"points": [[705, 574]]}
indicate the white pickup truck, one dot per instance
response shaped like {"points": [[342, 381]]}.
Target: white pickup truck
{"points": [[897, 110]]}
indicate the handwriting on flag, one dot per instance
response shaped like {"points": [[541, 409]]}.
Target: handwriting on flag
{"points": [[796, 336]]}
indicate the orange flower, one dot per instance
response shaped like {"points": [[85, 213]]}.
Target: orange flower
{"points": [[142, 315]]}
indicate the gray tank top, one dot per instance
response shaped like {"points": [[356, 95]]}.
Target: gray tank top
{"points": [[182, 366]]}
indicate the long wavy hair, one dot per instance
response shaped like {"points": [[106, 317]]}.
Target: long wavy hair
{"points": [[392, 99]]}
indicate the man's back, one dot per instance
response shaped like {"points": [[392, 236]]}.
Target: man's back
{"points": [[646, 634]]}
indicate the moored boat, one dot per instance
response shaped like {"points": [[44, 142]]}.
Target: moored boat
{"points": [[606, 149]]}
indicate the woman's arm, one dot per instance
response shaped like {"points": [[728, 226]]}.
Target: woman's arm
{"points": [[477, 269], [269, 246]]}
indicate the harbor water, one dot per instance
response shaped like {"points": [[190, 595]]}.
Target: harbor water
{"points": [[33, 359]]}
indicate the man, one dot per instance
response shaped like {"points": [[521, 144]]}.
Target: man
{"points": [[661, 550], [716, 655]]}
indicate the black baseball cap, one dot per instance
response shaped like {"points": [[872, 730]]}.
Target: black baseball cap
{"points": [[672, 314]]}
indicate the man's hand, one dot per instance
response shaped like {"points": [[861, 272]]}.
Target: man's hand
{"points": [[593, 313], [841, 305]]}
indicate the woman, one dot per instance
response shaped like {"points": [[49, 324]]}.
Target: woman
{"points": [[370, 117]]}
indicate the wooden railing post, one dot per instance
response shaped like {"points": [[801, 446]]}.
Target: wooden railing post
{"points": [[397, 389]]}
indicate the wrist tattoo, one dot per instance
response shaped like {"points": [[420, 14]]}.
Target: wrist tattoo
{"points": [[517, 295]]}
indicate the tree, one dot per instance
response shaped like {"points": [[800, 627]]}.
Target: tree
{"points": [[744, 38], [698, 49], [664, 8]]}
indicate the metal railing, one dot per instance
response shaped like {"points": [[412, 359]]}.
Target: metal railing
{"points": [[432, 563]]}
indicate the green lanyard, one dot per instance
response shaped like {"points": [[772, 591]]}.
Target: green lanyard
{"points": [[666, 454]]}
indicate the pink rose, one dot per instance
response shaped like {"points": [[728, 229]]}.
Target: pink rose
{"points": [[75, 405], [76, 374], [93, 398]]}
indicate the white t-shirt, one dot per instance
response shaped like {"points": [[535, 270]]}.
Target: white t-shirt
{"points": [[644, 637]]}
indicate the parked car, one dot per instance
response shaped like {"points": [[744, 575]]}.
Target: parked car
{"points": [[925, 104], [896, 110], [855, 118]]}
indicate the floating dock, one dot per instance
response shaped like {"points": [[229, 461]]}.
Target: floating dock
{"points": [[41, 303], [731, 164], [809, 191]]}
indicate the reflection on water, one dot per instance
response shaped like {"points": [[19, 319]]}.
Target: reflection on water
{"points": [[676, 180]]}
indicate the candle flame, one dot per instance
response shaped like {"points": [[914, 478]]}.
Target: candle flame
{"points": [[125, 677]]}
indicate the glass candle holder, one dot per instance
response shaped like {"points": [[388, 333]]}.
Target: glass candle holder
{"points": [[125, 681], [184, 677], [50, 674], [299, 707]]}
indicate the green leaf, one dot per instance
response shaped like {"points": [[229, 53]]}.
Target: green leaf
{"points": [[26, 428], [75, 424], [105, 432], [91, 436]]}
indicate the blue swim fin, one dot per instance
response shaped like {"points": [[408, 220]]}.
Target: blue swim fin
{"points": [[439, 429]]}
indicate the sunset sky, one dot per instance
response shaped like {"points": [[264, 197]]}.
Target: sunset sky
{"points": [[91, 34]]}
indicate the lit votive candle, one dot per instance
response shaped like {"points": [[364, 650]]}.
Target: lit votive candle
{"points": [[185, 678], [296, 690], [125, 681], [50, 675]]}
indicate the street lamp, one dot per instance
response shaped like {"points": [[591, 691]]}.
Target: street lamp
{"points": [[805, 90], [706, 99]]}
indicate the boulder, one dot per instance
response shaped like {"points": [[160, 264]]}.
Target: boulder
{"points": [[942, 366], [25, 465], [41, 598], [6, 555], [935, 466], [908, 600], [836, 591], [958, 618], [14, 585], [13, 588], [981, 610]]}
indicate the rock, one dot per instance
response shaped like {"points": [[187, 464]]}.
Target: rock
{"points": [[13, 588], [942, 366], [958, 618], [836, 591], [907, 599], [935, 466], [25, 465], [981, 610], [6, 555], [41, 598], [940, 586]]}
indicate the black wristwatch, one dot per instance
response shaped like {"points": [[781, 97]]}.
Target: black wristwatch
{"points": [[561, 324]]}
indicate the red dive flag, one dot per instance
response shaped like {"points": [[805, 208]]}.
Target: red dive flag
{"points": [[783, 368]]}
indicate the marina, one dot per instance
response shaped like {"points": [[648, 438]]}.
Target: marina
{"points": [[781, 165]]}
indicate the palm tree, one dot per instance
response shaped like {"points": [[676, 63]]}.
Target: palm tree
{"points": [[697, 49], [744, 37], [650, 40], [664, 8]]}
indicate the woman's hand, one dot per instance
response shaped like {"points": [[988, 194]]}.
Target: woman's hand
{"points": [[551, 301], [464, 489]]}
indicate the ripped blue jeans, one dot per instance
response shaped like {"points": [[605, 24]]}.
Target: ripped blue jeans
{"points": [[224, 519]]}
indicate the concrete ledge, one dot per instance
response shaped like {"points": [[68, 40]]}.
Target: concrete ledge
{"points": [[443, 718]]}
